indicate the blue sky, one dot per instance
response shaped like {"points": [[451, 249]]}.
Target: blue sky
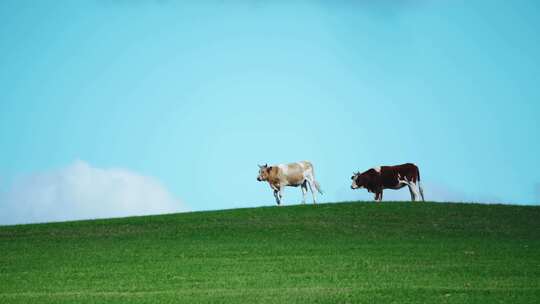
{"points": [[192, 95]]}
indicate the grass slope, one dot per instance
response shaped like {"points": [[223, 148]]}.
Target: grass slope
{"points": [[330, 253]]}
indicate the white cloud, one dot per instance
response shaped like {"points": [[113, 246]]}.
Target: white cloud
{"points": [[80, 191]]}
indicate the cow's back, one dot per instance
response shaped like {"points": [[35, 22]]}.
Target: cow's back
{"points": [[390, 175], [409, 171], [293, 173], [306, 165]]}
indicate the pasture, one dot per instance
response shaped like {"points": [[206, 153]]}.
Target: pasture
{"points": [[330, 253]]}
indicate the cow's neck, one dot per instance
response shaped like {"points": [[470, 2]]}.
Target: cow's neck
{"points": [[273, 179]]}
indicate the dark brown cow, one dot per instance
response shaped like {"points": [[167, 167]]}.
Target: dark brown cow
{"points": [[375, 180]]}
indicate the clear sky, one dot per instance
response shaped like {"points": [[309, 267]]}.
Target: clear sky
{"points": [[174, 103]]}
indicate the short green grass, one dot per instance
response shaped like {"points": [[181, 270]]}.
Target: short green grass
{"points": [[330, 253]]}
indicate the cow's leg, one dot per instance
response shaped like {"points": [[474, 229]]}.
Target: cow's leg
{"points": [[378, 196], [311, 186], [304, 192], [281, 194], [418, 192], [411, 186], [277, 196], [412, 191]]}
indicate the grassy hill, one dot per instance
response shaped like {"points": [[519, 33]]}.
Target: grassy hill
{"points": [[329, 253]]}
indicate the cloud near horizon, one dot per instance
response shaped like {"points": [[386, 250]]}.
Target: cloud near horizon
{"points": [[80, 191]]}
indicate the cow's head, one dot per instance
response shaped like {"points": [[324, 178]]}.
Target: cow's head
{"points": [[362, 180], [264, 172], [356, 181]]}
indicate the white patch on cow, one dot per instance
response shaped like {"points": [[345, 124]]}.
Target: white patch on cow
{"points": [[378, 169], [284, 169]]}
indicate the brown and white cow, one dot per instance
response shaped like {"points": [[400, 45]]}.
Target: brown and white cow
{"points": [[375, 180], [294, 175]]}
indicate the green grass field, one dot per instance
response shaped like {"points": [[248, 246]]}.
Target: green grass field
{"points": [[329, 253]]}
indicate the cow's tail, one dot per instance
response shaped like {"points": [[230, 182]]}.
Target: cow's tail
{"points": [[316, 183], [420, 189], [311, 178]]}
